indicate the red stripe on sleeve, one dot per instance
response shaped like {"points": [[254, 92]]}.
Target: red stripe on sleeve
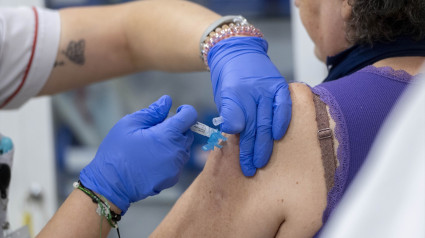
{"points": [[29, 62]]}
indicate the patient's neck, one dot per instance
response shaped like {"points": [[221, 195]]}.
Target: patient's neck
{"points": [[411, 65]]}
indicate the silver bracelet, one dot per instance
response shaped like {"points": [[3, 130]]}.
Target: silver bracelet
{"points": [[214, 25], [224, 28]]}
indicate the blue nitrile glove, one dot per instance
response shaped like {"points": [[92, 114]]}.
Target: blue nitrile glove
{"points": [[251, 96], [142, 154]]}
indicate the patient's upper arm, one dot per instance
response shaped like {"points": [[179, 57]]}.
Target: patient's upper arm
{"points": [[284, 199]]}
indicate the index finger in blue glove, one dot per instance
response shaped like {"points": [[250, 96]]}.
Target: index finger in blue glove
{"points": [[185, 118], [233, 116], [282, 110], [263, 140], [154, 114]]}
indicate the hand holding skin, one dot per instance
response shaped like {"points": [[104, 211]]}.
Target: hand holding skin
{"points": [[142, 154], [251, 96]]}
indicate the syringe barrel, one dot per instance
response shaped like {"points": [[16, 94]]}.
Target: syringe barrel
{"points": [[202, 129]]}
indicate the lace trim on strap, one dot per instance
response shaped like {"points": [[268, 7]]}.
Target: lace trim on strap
{"points": [[388, 72], [343, 152]]}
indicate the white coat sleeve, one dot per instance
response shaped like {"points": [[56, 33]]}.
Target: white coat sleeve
{"points": [[29, 41]]}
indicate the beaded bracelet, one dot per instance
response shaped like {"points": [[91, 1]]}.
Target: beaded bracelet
{"points": [[103, 208], [239, 27]]}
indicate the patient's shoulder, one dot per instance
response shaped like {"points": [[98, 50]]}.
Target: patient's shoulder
{"points": [[286, 198], [296, 168], [300, 91], [289, 193]]}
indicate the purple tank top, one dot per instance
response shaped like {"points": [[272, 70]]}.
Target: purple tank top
{"points": [[359, 104]]}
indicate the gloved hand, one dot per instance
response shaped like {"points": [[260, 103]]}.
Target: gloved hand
{"points": [[251, 96], [142, 154]]}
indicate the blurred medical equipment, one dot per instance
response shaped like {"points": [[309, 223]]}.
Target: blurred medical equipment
{"points": [[6, 162], [387, 198], [30, 128], [6, 159]]}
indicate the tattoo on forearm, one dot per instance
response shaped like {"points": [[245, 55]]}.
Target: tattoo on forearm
{"points": [[75, 51]]}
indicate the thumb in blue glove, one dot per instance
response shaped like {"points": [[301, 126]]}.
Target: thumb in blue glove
{"points": [[142, 154], [251, 96]]}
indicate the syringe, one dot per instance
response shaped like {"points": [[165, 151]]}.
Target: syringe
{"points": [[203, 129], [214, 135]]}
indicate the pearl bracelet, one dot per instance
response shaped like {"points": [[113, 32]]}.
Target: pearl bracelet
{"points": [[239, 27]]}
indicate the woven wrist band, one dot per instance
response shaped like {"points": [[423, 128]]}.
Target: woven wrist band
{"points": [[103, 209], [224, 28]]}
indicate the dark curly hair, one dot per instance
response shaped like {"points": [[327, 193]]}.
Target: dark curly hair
{"points": [[385, 20]]}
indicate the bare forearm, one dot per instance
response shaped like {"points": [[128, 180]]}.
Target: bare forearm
{"points": [[168, 34], [99, 43], [76, 217]]}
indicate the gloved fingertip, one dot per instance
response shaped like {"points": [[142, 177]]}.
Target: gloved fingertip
{"points": [[159, 108], [263, 149], [163, 104], [233, 117], [232, 126], [282, 112], [281, 122], [165, 99], [188, 112], [261, 160], [247, 166], [279, 132], [248, 171], [179, 109], [156, 113], [184, 119], [246, 153], [228, 129]]}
